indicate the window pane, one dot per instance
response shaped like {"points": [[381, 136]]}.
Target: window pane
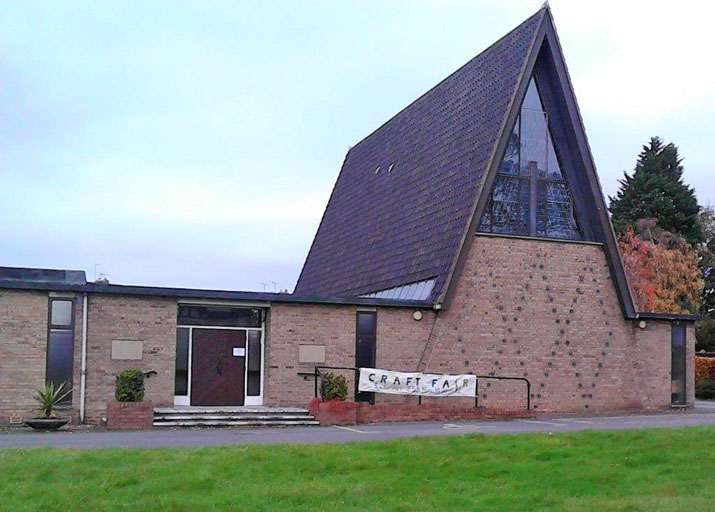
{"points": [[508, 209], [181, 376], [366, 325], [219, 316], [533, 142], [61, 314], [60, 349], [678, 365], [254, 363], [510, 163], [554, 211]]}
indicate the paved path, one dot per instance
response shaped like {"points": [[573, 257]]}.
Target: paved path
{"points": [[704, 414]]}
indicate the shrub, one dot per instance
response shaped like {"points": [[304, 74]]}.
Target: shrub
{"points": [[704, 369], [334, 387], [130, 386], [706, 389]]}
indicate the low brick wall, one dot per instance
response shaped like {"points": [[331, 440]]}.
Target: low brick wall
{"points": [[130, 415], [335, 412]]}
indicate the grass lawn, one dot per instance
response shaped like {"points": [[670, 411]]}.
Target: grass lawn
{"points": [[653, 469]]}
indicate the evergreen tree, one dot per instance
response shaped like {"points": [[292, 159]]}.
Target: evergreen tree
{"points": [[705, 329], [656, 191]]}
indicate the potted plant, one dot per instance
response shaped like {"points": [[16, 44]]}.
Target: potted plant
{"points": [[49, 398], [129, 410]]}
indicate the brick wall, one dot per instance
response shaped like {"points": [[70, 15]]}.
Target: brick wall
{"points": [[549, 312], [130, 416], [23, 351], [543, 310], [151, 320], [290, 325]]}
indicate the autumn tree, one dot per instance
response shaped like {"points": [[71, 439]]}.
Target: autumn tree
{"points": [[662, 269]]}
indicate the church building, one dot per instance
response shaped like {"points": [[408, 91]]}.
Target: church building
{"points": [[467, 234]]}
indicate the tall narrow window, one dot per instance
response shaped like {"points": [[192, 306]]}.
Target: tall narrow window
{"points": [[365, 341], [677, 365], [253, 387], [181, 375], [60, 345], [530, 195]]}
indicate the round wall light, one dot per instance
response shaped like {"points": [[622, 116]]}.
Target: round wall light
{"points": [[417, 315], [642, 324]]}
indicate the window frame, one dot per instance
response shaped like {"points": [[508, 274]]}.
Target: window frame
{"points": [[66, 403], [533, 180]]}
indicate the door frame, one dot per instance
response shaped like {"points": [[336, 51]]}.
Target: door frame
{"points": [[185, 400]]}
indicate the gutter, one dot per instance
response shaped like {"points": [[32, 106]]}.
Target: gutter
{"points": [[83, 374]]}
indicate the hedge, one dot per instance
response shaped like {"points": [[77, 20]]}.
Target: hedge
{"points": [[704, 369]]}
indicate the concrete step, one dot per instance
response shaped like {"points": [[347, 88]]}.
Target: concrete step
{"points": [[232, 410], [235, 417], [233, 423], [251, 416]]}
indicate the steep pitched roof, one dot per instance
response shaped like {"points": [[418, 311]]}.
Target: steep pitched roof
{"points": [[406, 221]]}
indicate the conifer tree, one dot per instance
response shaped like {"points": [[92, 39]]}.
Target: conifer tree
{"points": [[656, 191]]}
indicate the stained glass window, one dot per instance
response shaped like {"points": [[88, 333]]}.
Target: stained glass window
{"points": [[530, 195]]}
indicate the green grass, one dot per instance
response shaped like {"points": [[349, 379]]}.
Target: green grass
{"points": [[653, 469]]}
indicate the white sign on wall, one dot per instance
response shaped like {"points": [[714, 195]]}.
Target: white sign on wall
{"points": [[426, 384]]}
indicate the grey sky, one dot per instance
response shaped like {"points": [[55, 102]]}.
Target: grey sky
{"points": [[196, 143]]}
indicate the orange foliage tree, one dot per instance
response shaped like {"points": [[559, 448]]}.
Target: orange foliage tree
{"points": [[662, 269]]}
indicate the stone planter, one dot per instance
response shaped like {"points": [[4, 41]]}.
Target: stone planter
{"points": [[129, 415], [46, 423]]}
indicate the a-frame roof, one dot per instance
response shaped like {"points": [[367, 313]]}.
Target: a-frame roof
{"points": [[408, 195]]}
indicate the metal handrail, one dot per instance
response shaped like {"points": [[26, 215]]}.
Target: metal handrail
{"points": [[317, 374]]}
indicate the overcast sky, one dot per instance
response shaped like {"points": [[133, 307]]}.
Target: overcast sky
{"points": [[196, 143]]}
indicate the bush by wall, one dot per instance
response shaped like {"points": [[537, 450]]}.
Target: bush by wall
{"points": [[704, 369], [334, 387], [130, 386], [705, 377]]}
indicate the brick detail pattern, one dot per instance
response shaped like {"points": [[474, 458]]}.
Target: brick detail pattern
{"points": [[151, 320], [129, 415], [548, 311]]}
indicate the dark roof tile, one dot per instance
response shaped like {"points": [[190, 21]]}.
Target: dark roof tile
{"points": [[392, 228]]}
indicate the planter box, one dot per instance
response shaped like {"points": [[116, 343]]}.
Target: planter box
{"points": [[130, 415], [333, 412]]}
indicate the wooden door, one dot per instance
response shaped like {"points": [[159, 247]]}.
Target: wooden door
{"points": [[218, 364]]}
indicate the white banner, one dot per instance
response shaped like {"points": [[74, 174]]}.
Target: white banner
{"points": [[426, 384]]}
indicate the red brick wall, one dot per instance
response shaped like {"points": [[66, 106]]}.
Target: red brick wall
{"points": [[129, 416]]}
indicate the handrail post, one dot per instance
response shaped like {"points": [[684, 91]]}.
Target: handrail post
{"points": [[315, 380], [476, 393], [528, 395]]}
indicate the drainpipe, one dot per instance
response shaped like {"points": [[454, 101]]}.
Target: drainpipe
{"points": [[83, 374]]}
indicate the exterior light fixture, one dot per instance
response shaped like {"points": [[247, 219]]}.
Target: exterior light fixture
{"points": [[417, 315], [642, 324]]}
